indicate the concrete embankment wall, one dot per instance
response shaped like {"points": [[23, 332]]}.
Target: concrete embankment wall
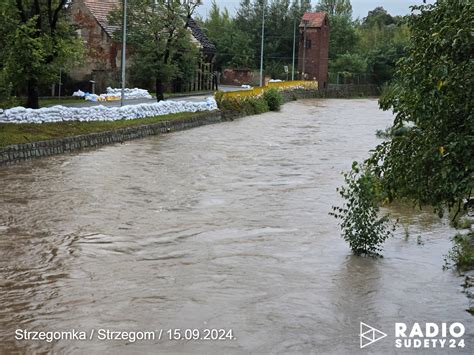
{"points": [[20, 152], [16, 153], [349, 91]]}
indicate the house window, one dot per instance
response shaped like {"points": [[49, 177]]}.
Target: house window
{"points": [[308, 43]]}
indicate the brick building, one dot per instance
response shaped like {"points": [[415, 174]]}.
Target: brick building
{"points": [[102, 54], [313, 55], [102, 61]]}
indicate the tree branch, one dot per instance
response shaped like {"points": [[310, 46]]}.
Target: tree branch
{"points": [[54, 23], [50, 12], [37, 12], [190, 6], [21, 9]]}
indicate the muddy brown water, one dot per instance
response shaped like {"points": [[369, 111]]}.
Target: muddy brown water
{"points": [[223, 226]]}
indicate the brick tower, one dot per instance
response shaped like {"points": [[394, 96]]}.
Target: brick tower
{"points": [[313, 57]]}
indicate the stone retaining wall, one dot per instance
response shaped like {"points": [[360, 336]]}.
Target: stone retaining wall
{"points": [[349, 91], [16, 153], [20, 152], [299, 94]]}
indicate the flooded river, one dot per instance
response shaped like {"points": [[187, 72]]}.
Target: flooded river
{"points": [[223, 226]]}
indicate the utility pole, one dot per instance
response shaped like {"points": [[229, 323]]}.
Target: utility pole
{"points": [[261, 49], [294, 51], [304, 48], [124, 50]]}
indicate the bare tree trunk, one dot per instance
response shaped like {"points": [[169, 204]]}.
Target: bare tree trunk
{"points": [[33, 94], [159, 90]]}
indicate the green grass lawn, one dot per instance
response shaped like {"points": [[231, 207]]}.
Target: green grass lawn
{"points": [[11, 133]]}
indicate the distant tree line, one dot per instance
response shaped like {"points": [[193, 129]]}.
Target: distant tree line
{"points": [[367, 47]]}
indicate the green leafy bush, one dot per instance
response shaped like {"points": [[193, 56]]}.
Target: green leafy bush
{"points": [[427, 158], [461, 256], [219, 96], [432, 162], [273, 98], [249, 105], [230, 105], [361, 225], [255, 106]]}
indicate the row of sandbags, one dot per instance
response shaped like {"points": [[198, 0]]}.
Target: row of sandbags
{"points": [[115, 94], [103, 113]]}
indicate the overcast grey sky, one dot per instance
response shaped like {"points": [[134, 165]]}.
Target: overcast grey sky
{"points": [[360, 7]]}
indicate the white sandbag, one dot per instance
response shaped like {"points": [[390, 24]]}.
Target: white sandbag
{"points": [[129, 93], [79, 93], [103, 113]]}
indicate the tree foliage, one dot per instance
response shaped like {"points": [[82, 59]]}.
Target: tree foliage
{"points": [[383, 40], [368, 48], [432, 162], [335, 7], [273, 98], [378, 17], [234, 47], [36, 41], [238, 39], [361, 225], [162, 45], [342, 38], [429, 158], [350, 64]]}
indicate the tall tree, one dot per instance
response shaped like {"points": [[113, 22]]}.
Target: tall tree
{"points": [[160, 39], [6, 27], [234, 47], [378, 17], [343, 37], [40, 43], [335, 7], [238, 39], [382, 40]]}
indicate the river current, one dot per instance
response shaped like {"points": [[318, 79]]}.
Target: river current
{"points": [[224, 226]]}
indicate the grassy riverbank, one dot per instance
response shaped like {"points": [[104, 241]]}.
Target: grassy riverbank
{"points": [[249, 102], [11, 133]]}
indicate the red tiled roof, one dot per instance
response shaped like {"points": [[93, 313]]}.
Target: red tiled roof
{"points": [[100, 9], [315, 19]]}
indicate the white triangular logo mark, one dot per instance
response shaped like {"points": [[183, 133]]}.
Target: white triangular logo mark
{"points": [[369, 335]]}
